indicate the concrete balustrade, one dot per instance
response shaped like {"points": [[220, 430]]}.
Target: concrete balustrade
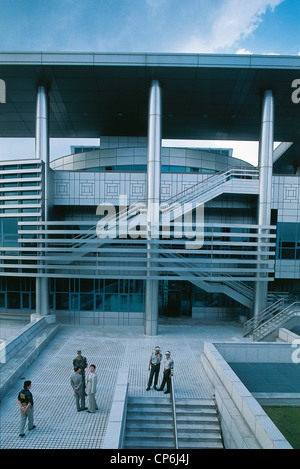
{"points": [[22, 348], [244, 423]]}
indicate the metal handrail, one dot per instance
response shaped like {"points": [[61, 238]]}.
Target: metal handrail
{"points": [[279, 318], [255, 322], [228, 172], [174, 409]]}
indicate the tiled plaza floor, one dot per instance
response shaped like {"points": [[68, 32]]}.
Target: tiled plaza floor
{"points": [[58, 425]]}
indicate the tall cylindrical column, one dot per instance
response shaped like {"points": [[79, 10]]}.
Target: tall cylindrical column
{"points": [[153, 198], [42, 153], [265, 163]]}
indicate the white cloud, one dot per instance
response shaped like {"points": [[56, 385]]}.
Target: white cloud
{"points": [[235, 20], [243, 51]]}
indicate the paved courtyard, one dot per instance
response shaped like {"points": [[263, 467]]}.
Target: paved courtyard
{"points": [[58, 425]]}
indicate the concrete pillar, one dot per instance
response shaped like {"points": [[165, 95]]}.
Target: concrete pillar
{"points": [[265, 163], [153, 212], [42, 153]]}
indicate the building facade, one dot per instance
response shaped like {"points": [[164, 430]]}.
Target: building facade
{"points": [[133, 230]]}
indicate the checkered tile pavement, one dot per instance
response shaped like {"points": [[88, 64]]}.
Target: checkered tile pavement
{"points": [[58, 425]]}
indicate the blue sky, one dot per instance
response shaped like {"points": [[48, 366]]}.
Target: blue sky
{"points": [[188, 26]]}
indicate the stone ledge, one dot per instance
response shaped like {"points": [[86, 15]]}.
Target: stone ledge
{"points": [[24, 349], [117, 418]]}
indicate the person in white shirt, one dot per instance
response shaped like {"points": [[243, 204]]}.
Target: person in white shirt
{"points": [[91, 385], [168, 365]]}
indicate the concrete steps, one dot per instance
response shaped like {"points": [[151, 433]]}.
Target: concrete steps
{"points": [[197, 424], [149, 424]]}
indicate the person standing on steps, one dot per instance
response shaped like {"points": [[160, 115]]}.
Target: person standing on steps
{"points": [[168, 365], [154, 367]]}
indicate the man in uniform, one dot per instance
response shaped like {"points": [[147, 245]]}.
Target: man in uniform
{"points": [[154, 367], [80, 361], [77, 386], [168, 365], [25, 401]]}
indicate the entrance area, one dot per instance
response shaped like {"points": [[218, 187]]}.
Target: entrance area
{"points": [[175, 299]]}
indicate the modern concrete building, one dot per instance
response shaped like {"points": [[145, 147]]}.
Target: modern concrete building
{"points": [[132, 230]]}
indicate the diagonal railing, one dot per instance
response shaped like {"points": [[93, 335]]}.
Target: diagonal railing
{"points": [[174, 409], [276, 321], [263, 316], [190, 194]]}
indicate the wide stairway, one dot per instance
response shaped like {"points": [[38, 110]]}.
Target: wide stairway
{"points": [[150, 424]]}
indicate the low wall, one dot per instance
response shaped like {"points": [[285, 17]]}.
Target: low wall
{"points": [[100, 318], [244, 423], [256, 352], [13, 344], [21, 349], [285, 335], [114, 435]]}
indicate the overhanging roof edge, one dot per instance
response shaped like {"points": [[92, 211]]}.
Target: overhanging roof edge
{"points": [[150, 59]]}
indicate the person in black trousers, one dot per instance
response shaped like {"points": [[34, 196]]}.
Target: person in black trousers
{"points": [[168, 365], [154, 367]]}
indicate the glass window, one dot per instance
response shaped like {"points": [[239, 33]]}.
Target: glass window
{"points": [[25, 300], [111, 302], [124, 302], [86, 301], [13, 284], [288, 237], [111, 286], [86, 285], [62, 285], [136, 303], [99, 302], [13, 300], [74, 301], [2, 300], [62, 301]]}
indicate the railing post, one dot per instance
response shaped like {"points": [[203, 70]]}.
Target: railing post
{"points": [[174, 409]]}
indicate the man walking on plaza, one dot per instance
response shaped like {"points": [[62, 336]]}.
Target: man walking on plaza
{"points": [[77, 386], [25, 401], [154, 367]]}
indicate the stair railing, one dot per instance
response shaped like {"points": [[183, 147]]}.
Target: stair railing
{"points": [[262, 317], [276, 321], [174, 409]]}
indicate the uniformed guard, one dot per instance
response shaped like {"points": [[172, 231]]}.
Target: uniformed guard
{"points": [[168, 366], [25, 401], [154, 367], [81, 362]]}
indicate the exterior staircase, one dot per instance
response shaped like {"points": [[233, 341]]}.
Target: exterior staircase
{"points": [[270, 319], [198, 424], [150, 424]]}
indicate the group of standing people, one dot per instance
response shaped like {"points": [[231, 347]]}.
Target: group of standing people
{"points": [[82, 386], [154, 368], [86, 386]]}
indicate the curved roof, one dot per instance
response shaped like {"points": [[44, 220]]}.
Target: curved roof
{"points": [[204, 96]]}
